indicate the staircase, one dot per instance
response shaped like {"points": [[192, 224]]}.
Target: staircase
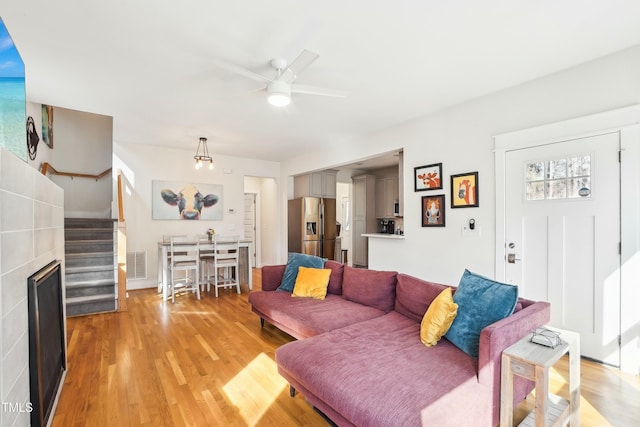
{"points": [[90, 270]]}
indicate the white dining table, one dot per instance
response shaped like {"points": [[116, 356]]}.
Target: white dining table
{"points": [[163, 261]]}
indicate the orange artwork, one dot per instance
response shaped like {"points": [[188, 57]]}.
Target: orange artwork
{"points": [[433, 211], [428, 177], [464, 190]]}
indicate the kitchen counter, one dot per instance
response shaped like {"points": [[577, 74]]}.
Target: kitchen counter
{"points": [[384, 236]]}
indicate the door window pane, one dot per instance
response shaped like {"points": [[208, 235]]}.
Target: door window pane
{"points": [[535, 190], [556, 169], [556, 189], [579, 187], [579, 166], [561, 178], [535, 171]]}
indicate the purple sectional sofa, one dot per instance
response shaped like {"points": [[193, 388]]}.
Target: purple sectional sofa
{"points": [[359, 359]]}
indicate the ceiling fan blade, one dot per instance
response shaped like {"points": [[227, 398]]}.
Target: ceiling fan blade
{"points": [[314, 90], [298, 65], [242, 71]]}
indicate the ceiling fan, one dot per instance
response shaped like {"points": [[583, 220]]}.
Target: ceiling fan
{"points": [[280, 88]]}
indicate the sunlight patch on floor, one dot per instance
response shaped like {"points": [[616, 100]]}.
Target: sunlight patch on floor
{"points": [[587, 410], [630, 379], [254, 389]]}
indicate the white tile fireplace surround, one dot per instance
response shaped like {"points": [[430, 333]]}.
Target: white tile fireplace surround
{"points": [[31, 236]]}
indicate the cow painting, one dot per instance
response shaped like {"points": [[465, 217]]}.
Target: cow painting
{"points": [[189, 201], [428, 177], [430, 180]]}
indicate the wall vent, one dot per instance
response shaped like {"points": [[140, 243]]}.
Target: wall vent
{"points": [[137, 265]]}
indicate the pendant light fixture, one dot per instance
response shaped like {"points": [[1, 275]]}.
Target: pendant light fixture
{"points": [[202, 154]]}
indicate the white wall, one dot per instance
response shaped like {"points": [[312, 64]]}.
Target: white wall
{"points": [[461, 137], [82, 143], [142, 164]]}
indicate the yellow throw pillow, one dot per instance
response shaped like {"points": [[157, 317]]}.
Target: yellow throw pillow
{"points": [[311, 282], [438, 318]]}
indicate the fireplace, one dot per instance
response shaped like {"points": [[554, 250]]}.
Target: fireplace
{"points": [[47, 349]]}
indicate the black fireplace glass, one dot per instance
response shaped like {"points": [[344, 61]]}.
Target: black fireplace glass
{"points": [[47, 349]]}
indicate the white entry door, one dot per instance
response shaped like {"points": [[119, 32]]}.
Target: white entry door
{"points": [[563, 236]]}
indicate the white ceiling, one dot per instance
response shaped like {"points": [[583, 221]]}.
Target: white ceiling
{"points": [[152, 64]]}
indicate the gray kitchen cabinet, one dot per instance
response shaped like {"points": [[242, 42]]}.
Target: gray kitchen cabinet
{"points": [[364, 218], [386, 196], [316, 184]]}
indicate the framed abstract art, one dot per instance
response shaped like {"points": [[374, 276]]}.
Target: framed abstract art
{"points": [[464, 190]]}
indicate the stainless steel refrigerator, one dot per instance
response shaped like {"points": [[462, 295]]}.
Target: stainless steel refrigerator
{"points": [[312, 226]]}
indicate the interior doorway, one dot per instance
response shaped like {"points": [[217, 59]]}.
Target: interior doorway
{"points": [[343, 216], [261, 218], [249, 222]]}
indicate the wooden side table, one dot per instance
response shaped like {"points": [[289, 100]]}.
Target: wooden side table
{"points": [[532, 361]]}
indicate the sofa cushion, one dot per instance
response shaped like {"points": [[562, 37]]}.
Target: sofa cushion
{"points": [[335, 281], [438, 318], [294, 261], [481, 301], [311, 282], [414, 295], [306, 317], [271, 277], [370, 287]]}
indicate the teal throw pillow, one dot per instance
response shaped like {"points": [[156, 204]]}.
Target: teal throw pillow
{"points": [[481, 302], [294, 261]]}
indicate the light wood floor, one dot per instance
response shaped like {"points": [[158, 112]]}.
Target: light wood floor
{"points": [[208, 363]]}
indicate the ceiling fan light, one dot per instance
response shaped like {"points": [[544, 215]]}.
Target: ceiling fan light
{"points": [[279, 100], [279, 94]]}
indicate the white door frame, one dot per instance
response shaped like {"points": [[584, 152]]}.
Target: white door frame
{"points": [[256, 246], [627, 122]]}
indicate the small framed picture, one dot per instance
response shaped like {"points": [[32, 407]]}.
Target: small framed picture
{"points": [[433, 211], [428, 177], [464, 190]]}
